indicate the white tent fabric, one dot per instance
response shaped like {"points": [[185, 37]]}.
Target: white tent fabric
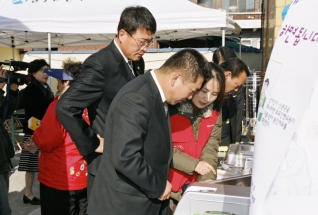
{"points": [[90, 22]]}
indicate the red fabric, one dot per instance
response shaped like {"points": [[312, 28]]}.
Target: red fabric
{"points": [[60, 164], [183, 139]]}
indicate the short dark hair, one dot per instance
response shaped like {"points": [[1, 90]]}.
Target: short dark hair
{"points": [[190, 63], [136, 17], [218, 74], [223, 53], [37, 65], [236, 66]]}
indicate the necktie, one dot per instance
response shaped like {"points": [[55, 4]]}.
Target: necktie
{"points": [[165, 105], [131, 67]]}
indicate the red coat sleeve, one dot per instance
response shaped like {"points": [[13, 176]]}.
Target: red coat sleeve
{"points": [[51, 133]]}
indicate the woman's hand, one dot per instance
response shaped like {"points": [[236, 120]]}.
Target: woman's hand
{"points": [[204, 168]]}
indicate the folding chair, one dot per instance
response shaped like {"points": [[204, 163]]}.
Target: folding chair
{"points": [[14, 128]]}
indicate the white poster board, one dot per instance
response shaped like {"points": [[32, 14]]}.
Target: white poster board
{"points": [[285, 174]]}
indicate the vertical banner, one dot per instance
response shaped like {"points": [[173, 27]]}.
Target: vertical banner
{"points": [[285, 173]]}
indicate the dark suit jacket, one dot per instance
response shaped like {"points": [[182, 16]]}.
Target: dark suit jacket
{"points": [[103, 75], [6, 147], [239, 98], [229, 122], [137, 153], [232, 116]]}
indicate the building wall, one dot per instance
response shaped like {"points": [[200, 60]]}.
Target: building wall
{"points": [[280, 4], [271, 25], [6, 54], [268, 28], [155, 45]]}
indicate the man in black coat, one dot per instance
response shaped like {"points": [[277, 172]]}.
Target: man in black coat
{"points": [[236, 72], [232, 110], [103, 75], [6, 147], [133, 174]]}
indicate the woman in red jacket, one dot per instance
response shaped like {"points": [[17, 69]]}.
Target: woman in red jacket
{"points": [[62, 170], [196, 124]]}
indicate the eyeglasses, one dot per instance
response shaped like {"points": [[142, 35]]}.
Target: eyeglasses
{"points": [[141, 44]]}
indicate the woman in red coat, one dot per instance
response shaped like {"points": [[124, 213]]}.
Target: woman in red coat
{"points": [[62, 170], [195, 125]]}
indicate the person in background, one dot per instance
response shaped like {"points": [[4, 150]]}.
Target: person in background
{"points": [[6, 147], [196, 124], [232, 110], [133, 174], [62, 170], [236, 72], [221, 54], [103, 75], [37, 97]]}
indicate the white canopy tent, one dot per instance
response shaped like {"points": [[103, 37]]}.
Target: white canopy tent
{"points": [[53, 23]]}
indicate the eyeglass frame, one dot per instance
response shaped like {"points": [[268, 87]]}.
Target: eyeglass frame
{"points": [[141, 44]]}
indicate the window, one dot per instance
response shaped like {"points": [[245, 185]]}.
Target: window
{"points": [[250, 5], [233, 5], [242, 5], [207, 3], [225, 4]]}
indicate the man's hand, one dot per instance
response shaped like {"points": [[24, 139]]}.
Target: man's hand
{"points": [[237, 143], [14, 86], [204, 168], [100, 148], [166, 193]]}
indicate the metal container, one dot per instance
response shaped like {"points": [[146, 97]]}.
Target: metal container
{"points": [[241, 158], [238, 154], [248, 163], [252, 94]]}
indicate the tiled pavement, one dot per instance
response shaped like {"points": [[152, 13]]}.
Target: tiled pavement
{"points": [[16, 191]]}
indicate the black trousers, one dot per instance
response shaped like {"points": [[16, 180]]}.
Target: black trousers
{"points": [[62, 202]]}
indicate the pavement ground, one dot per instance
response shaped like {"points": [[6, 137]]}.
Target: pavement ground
{"points": [[17, 188]]}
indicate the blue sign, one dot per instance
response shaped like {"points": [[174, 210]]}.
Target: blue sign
{"points": [[19, 1], [285, 10]]}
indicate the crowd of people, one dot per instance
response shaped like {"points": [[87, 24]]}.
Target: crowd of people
{"points": [[115, 139]]}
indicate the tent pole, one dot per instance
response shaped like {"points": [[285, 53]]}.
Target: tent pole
{"points": [[12, 46], [12, 120], [49, 49], [223, 37], [240, 50]]}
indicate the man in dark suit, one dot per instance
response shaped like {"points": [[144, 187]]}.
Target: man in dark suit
{"points": [[236, 72], [103, 75], [133, 174], [232, 110]]}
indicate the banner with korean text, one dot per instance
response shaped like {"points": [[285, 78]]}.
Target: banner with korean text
{"points": [[285, 172]]}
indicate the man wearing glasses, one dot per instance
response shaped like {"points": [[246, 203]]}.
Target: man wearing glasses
{"points": [[103, 75]]}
